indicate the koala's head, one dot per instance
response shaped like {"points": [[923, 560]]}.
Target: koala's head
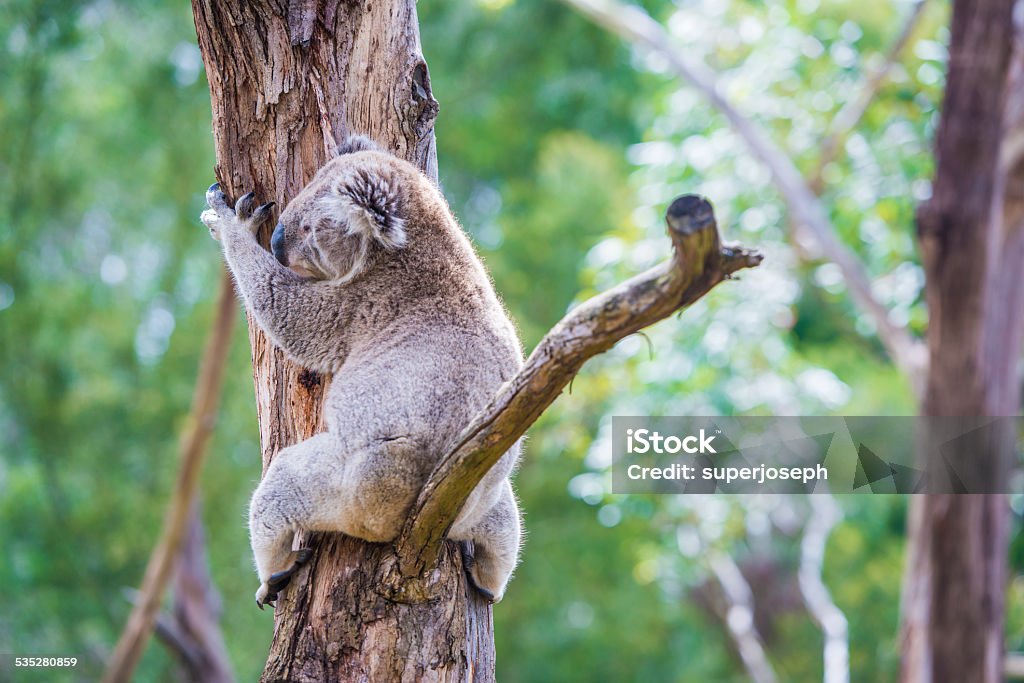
{"points": [[352, 209]]}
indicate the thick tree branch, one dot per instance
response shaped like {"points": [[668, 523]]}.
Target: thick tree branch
{"points": [[806, 210], [699, 263], [191, 451], [846, 120]]}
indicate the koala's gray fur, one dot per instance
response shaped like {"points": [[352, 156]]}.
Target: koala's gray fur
{"points": [[384, 290]]}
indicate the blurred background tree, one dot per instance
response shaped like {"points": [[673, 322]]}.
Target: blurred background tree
{"points": [[559, 147]]}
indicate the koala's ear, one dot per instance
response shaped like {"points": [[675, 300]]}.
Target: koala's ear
{"points": [[374, 204], [358, 143]]}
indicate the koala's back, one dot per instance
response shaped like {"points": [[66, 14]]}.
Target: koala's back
{"points": [[426, 382], [436, 342]]}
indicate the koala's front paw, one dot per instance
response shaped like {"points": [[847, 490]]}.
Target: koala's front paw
{"points": [[267, 593], [220, 217]]}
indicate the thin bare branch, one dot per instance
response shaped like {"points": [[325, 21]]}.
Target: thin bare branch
{"points": [[178, 642], [806, 210], [739, 618], [825, 514], [699, 263], [846, 120], [191, 451], [196, 608]]}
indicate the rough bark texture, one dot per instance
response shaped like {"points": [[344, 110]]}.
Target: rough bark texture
{"points": [[973, 251], [287, 82]]}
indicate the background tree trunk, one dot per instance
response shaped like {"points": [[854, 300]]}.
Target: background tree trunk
{"points": [[288, 81], [973, 251]]}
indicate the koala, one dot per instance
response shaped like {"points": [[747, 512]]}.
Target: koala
{"points": [[370, 278]]}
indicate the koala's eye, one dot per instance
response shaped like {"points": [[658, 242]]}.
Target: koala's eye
{"points": [[305, 229]]}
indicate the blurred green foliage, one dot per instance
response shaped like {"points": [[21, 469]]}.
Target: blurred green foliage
{"points": [[559, 148]]}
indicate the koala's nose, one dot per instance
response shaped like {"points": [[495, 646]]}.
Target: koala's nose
{"points": [[277, 244]]}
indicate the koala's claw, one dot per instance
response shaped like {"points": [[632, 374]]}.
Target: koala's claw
{"points": [[487, 595], [267, 594], [265, 597], [220, 215], [243, 207], [215, 199], [219, 211]]}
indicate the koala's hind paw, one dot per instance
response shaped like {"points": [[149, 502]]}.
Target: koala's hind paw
{"points": [[267, 594], [220, 216], [473, 572]]}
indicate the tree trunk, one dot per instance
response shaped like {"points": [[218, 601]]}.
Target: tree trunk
{"points": [[973, 251], [288, 81]]}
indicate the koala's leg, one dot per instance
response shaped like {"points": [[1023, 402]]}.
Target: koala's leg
{"points": [[295, 494], [325, 484], [496, 539]]}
